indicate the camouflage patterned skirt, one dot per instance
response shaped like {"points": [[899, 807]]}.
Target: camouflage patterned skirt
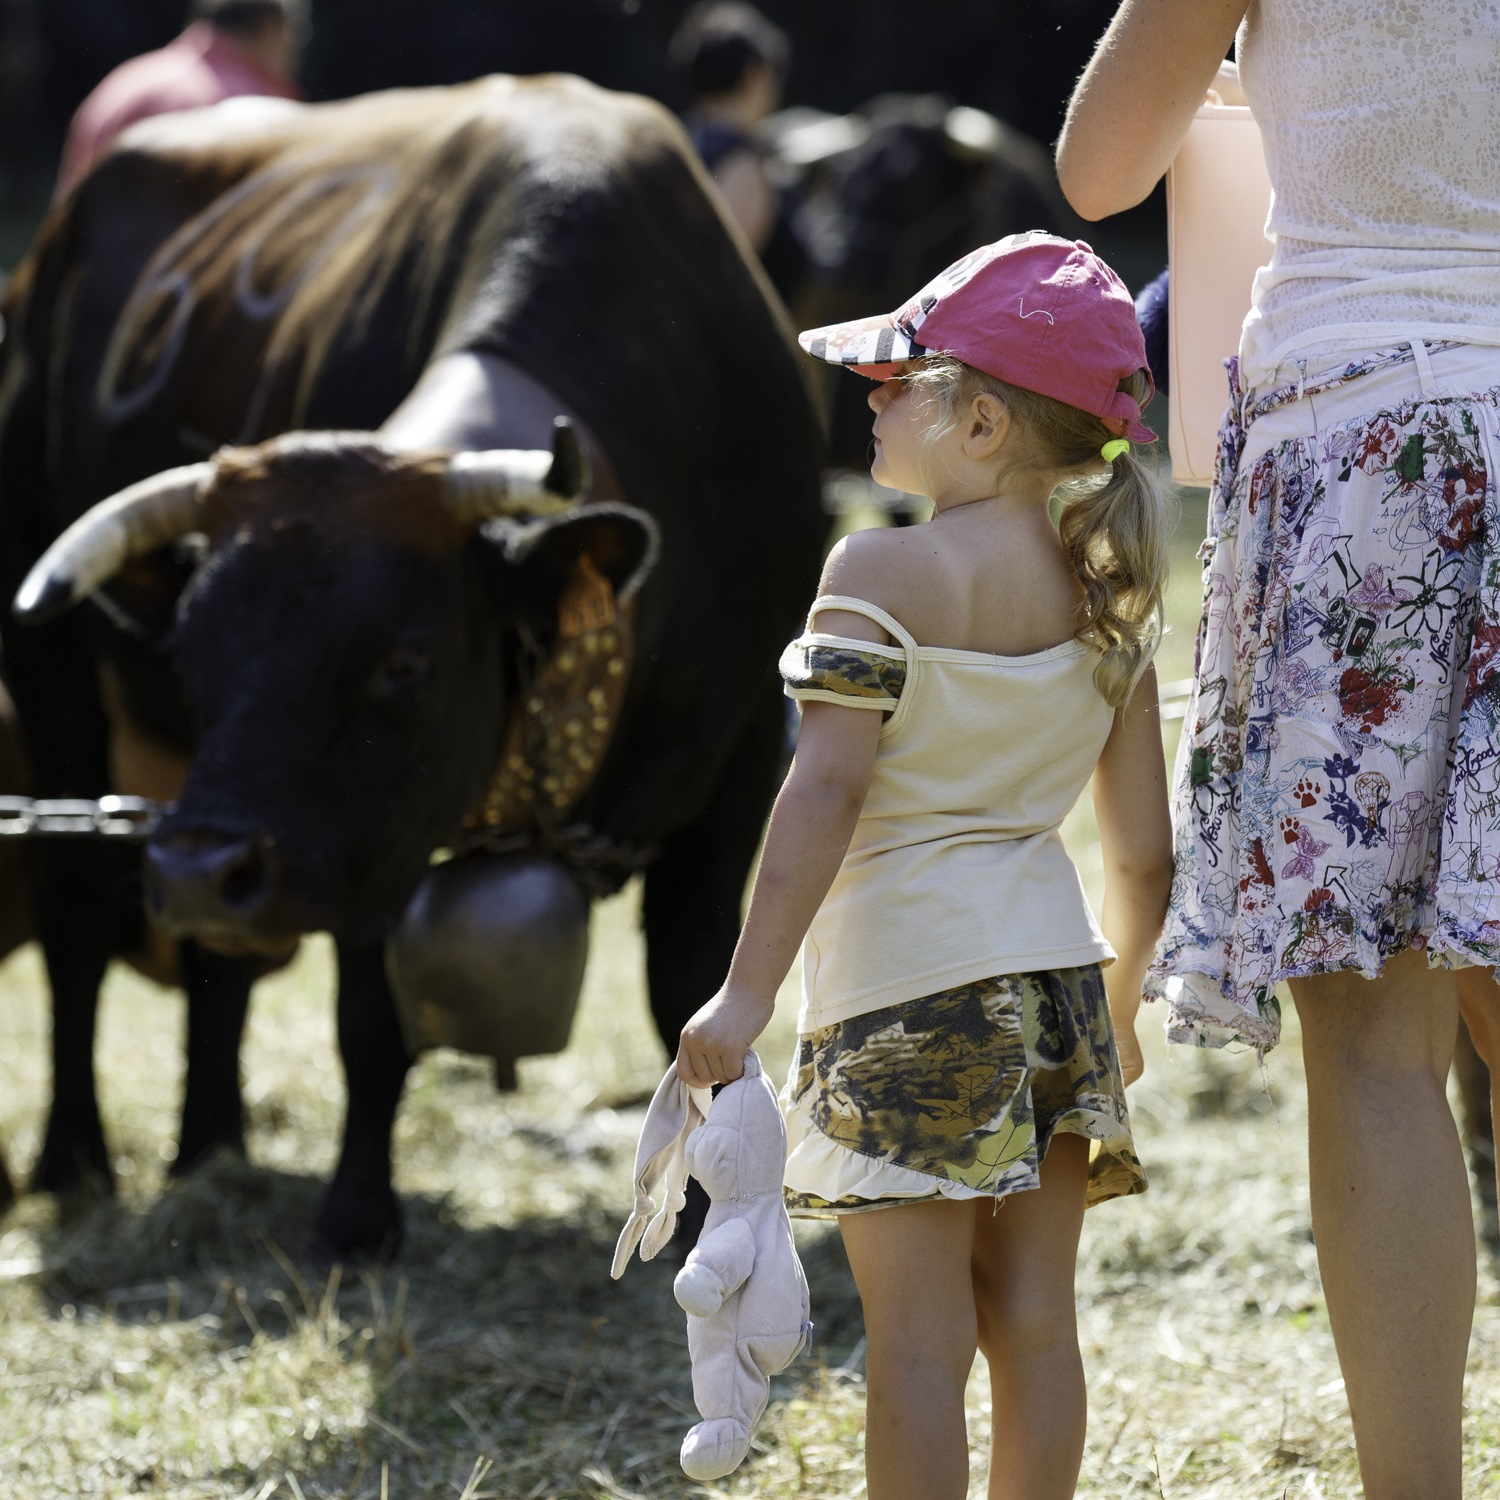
{"points": [[958, 1095]]}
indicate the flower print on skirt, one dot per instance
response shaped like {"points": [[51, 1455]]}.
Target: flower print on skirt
{"points": [[1337, 792]]}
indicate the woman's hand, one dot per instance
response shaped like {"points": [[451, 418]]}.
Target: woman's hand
{"points": [[715, 1041]]}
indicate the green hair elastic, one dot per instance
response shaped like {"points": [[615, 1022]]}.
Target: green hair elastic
{"points": [[1114, 448]]}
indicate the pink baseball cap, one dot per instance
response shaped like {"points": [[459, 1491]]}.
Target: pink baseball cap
{"points": [[1033, 310]]}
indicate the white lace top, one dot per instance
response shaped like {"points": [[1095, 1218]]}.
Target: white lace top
{"points": [[1381, 124]]}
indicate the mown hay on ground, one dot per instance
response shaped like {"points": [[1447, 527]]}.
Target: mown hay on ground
{"points": [[172, 1342]]}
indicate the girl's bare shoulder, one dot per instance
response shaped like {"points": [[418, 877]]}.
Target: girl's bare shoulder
{"points": [[1005, 587], [871, 565], [912, 572]]}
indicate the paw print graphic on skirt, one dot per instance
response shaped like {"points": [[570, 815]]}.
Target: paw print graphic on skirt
{"points": [[1290, 828], [1307, 791]]}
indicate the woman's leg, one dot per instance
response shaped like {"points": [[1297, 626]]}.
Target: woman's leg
{"points": [[912, 1266], [1479, 1001], [1390, 1205], [1024, 1257]]}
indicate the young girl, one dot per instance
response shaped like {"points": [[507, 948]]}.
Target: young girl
{"points": [[956, 1055]]}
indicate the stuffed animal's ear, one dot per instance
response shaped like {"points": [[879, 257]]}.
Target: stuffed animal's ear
{"points": [[661, 1168]]}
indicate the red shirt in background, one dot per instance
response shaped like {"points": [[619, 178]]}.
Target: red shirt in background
{"points": [[203, 66]]}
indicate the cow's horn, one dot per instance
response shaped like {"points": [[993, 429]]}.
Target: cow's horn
{"points": [[147, 515], [519, 481], [973, 132], [818, 138]]}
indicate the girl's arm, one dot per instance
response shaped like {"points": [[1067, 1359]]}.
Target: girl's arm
{"points": [[1135, 833], [1137, 97], [809, 831]]}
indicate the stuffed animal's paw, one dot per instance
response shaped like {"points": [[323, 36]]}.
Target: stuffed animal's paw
{"points": [[720, 1264], [699, 1289], [715, 1448]]}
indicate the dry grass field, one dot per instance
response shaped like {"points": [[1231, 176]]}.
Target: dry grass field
{"points": [[172, 1343]]}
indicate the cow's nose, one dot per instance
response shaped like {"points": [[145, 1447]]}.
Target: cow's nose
{"points": [[200, 882]]}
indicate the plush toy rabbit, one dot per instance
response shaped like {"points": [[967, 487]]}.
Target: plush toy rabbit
{"points": [[742, 1286]]}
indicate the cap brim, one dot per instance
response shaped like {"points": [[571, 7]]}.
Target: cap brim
{"points": [[873, 347]]}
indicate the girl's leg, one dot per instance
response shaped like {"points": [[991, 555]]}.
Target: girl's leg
{"points": [[1024, 1256], [1390, 1205], [912, 1266]]}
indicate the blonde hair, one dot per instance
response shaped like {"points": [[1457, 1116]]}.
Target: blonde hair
{"points": [[1115, 521]]}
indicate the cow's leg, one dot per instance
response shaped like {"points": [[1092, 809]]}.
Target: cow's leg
{"points": [[81, 891], [71, 904], [695, 888], [218, 996], [691, 909], [360, 1218]]}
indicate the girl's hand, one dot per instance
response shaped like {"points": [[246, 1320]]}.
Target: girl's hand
{"points": [[715, 1041], [1135, 838]]}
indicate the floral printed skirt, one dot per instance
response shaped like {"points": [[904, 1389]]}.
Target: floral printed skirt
{"points": [[958, 1095], [1337, 792]]}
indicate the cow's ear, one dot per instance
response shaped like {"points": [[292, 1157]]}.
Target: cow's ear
{"points": [[544, 557]]}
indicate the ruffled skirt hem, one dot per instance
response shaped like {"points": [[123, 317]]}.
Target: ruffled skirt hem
{"points": [[825, 1180], [1200, 1014]]}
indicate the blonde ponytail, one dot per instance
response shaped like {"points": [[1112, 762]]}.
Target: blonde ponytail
{"points": [[1116, 538], [1115, 532]]}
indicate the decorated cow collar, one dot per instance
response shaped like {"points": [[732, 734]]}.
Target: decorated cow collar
{"points": [[555, 737]]}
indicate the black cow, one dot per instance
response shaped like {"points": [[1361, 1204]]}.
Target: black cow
{"points": [[325, 626], [15, 914], [892, 194]]}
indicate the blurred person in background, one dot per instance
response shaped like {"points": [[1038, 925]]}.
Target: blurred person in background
{"points": [[230, 47], [732, 61], [1339, 775]]}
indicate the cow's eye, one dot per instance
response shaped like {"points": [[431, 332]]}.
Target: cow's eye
{"points": [[402, 671]]}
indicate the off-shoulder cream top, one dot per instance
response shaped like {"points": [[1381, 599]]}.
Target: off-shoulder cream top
{"points": [[956, 870]]}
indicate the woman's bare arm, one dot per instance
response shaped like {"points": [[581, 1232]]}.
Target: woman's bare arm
{"points": [[1135, 834], [1137, 97]]}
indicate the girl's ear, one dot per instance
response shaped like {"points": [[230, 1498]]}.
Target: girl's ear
{"points": [[987, 427]]}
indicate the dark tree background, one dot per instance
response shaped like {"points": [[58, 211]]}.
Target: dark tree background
{"points": [[1017, 58]]}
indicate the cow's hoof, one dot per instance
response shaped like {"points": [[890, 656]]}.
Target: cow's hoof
{"points": [[73, 1166], [195, 1153], [367, 1231]]}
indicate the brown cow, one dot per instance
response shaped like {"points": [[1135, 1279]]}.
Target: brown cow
{"points": [[359, 669]]}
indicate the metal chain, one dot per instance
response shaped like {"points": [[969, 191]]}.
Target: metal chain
{"points": [[132, 818], [136, 818]]}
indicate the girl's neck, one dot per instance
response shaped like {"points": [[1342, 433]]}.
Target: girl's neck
{"points": [[1021, 493]]}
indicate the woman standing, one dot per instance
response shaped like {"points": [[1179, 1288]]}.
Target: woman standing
{"points": [[1337, 802]]}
